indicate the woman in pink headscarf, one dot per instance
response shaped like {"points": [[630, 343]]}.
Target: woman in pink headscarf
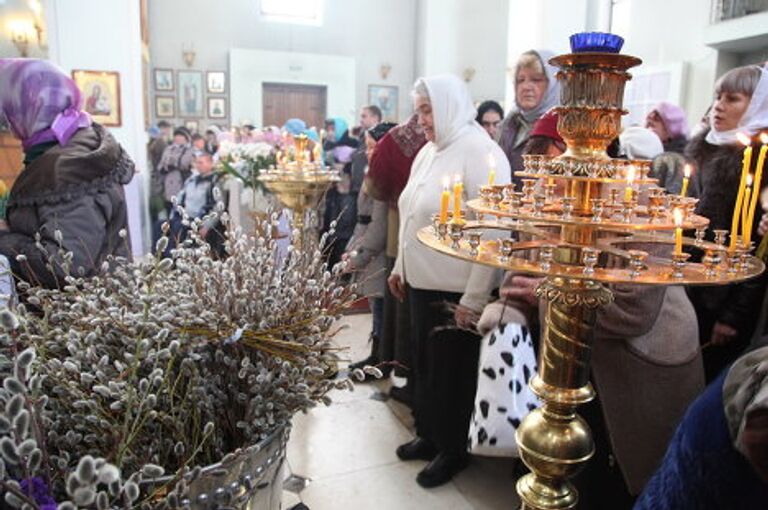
{"points": [[71, 189]]}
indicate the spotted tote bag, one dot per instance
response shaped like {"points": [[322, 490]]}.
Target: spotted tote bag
{"points": [[503, 399]]}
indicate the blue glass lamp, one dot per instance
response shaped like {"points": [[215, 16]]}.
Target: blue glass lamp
{"points": [[600, 42]]}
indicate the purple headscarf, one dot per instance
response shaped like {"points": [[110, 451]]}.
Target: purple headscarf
{"points": [[41, 103]]}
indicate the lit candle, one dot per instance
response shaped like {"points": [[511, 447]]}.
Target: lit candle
{"points": [[492, 171], [678, 215], [445, 199], [746, 231], [630, 180], [458, 190], [746, 161], [757, 185], [686, 178]]}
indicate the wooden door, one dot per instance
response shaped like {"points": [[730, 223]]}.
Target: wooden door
{"points": [[283, 101], [11, 157]]}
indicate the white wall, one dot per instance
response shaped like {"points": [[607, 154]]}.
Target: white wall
{"points": [[250, 69], [111, 44], [371, 32], [455, 35]]}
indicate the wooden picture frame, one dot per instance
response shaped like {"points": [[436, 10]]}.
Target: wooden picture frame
{"points": [[165, 107], [163, 80], [101, 95], [386, 97], [216, 82], [217, 107], [190, 93]]}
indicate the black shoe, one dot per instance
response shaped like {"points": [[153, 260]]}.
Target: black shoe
{"points": [[401, 394], [418, 449], [444, 467]]}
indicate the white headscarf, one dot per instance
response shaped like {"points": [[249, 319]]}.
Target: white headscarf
{"points": [[640, 143], [452, 108], [551, 96], [754, 119]]}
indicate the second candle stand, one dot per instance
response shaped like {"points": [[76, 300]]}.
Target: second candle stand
{"points": [[605, 221]]}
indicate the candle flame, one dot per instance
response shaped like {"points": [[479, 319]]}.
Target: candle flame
{"points": [[631, 174], [749, 180], [491, 161], [743, 139], [687, 171], [764, 138], [446, 182], [677, 213], [457, 178]]}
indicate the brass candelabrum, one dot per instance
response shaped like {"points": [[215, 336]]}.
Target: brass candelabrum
{"points": [[582, 220], [299, 185]]}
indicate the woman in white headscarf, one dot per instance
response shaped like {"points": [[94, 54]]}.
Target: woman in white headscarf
{"points": [[456, 147], [536, 91], [728, 315]]}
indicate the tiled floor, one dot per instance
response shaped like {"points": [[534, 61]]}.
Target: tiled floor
{"points": [[343, 456]]}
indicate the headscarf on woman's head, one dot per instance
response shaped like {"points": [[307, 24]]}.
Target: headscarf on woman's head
{"points": [[754, 119], [452, 107], [340, 127], [378, 131], [295, 126], [41, 103], [674, 119], [550, 98], [640, 143]]}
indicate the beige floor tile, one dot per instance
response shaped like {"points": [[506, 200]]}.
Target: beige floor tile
{"points": [[354, 337], [488, 484], [391, 487], [344, 438]]}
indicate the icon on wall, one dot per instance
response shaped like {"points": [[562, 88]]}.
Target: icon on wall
{"points": [[386, 98], [217, 107], [216, 81], [190, 93], [101, 93], [163, 80], [165, 107], [191, 125]]}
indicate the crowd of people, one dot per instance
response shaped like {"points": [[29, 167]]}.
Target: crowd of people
{"points": [[681, 414]]}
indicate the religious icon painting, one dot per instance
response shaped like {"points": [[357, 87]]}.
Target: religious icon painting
{"points": [[165, 107], [101, 95], [190, 93], [191, 125], [217, 107], [386, 98], [164, 80], [216, 81]]}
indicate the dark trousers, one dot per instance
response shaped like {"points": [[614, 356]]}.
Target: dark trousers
{"points": [[444, 370], [395, 343]]}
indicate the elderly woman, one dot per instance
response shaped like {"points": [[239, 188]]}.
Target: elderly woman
{"points": [[728, 315], [457, 147], [536, 91], [71, 189]]}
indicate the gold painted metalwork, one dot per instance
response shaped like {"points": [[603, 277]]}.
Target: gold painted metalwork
{"points": [[299, 185], [584, 233]]}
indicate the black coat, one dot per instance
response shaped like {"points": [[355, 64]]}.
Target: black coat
{"points": [[76, 190], [719, 169]]}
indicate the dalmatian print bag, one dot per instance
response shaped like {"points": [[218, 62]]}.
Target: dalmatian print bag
{"points": [[503, 399]]}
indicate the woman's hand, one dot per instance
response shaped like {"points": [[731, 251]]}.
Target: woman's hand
{"points": [[521, 289], [465, 318], [3, 226], [396, 286], [762, 229], [723, 334]]}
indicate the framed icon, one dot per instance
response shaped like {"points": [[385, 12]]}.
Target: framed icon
{"points": [[216, 82], [190, 93], [164, 80], [165, 107], [101, 93], [385, 97], [217, 107]]}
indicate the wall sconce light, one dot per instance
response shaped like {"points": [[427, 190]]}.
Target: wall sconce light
{"points": [[20, 32], [468, 74], [37, 10], [384, 71], [188, 55]]}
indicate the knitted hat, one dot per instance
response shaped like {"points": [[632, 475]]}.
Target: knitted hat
{"points": [[547, 126], [183, 132], [674, 119]]}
